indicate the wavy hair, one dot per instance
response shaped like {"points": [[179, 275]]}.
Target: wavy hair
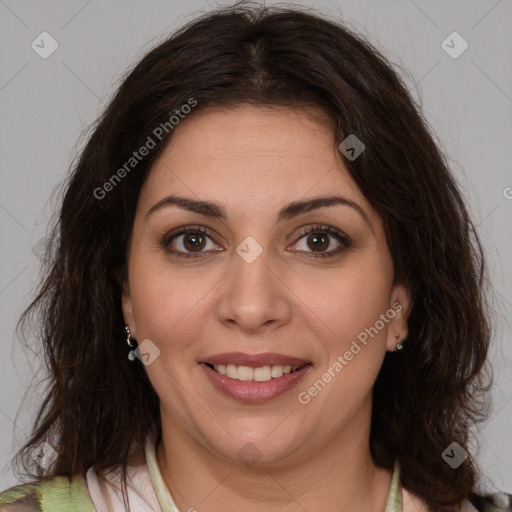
{"points": [[99, 407]]}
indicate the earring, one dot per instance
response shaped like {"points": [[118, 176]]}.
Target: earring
{"points": [[131, 354], [399, 345]]}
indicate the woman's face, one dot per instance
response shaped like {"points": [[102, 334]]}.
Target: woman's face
{"points": [[269, 271]]}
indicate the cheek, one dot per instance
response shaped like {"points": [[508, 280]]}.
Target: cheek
{"points": [[165, 302], [346, 307], [347, 301]]}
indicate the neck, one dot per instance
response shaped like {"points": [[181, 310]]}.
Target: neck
{"points": [[336, 476]]}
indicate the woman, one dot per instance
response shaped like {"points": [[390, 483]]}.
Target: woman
{"points": [[266, 292]]}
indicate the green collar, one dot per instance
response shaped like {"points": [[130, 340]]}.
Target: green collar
{"points": [[394, 502]]}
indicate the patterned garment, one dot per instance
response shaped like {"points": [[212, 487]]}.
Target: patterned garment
{"points": [[147, 492]]}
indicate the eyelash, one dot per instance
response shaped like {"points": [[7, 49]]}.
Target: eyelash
{"points": [[344, 240]]}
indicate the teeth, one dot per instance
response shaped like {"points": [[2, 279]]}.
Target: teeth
{"points": [[260, 374]]}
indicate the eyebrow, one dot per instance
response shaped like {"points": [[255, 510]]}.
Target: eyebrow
{"points": [[214, 210]]}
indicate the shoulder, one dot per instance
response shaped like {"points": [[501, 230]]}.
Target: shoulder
{"points": [[501, 502], [20, 498], [56, 493]]}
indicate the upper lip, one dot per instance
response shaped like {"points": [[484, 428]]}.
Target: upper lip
{"points": [[254, 360]]}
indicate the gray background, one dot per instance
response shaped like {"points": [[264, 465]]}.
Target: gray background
{"points": [[46, 103]]}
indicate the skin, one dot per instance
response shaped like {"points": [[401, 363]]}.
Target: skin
{"points": [[314, 456]]}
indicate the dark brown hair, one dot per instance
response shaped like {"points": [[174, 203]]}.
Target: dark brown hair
{"points": [[99, 406]]}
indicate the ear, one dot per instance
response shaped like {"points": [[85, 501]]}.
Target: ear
{"points": [[126, 301], [401, 304]]}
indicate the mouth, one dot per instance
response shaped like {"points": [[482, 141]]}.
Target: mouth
{"points": [[254, 374], [254, 378], [260, 367]]}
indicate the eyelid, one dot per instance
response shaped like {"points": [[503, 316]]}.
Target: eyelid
{"points": [[325, 228], [167, 238], [345, 242]]}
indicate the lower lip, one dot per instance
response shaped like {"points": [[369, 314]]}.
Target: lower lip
{"points": [[254, 392]]}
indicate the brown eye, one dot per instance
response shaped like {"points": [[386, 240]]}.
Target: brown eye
{"points": [[318, 241], [194, 241], [315, 241], [190, 242]]}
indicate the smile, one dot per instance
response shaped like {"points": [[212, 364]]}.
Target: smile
{"points": [[259, 374], [254, 384]]}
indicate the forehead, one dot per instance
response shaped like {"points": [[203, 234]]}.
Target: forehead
{"points": [[251, 158]]}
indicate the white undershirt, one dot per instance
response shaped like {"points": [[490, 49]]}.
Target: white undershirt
{"points": [[146, 489]]}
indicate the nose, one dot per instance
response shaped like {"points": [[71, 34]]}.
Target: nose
{"points": [[252, 296]]}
